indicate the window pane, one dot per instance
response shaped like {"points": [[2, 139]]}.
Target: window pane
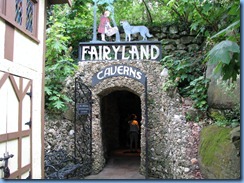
{"points": [[29, 15], [18, 11]]}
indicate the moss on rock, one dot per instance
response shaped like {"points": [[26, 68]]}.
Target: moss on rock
{"points": [[213, 138], [217, 153]]}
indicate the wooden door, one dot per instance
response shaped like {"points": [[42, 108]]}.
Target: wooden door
{"points": [[15, 126]]}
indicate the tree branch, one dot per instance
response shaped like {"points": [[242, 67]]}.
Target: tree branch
{"points": [[148, 12], [206, 19]]}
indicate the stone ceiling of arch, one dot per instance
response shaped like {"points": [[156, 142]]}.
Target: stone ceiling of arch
{"points": [[118, 83], [151, 69]]}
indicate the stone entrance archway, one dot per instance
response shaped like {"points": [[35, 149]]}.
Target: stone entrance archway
{"points": [[116, 108], [168, 136], [108, 90], [163, 133]]}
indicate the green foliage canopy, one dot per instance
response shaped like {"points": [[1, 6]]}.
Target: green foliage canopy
{"points": [[218, 21]]}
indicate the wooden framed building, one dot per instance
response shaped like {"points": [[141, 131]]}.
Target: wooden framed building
{"points": [[22, 62]]}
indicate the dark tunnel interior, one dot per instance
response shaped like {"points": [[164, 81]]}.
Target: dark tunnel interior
{"points": [[116, 108]]}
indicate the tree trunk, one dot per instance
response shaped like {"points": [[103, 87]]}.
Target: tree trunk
{"points": [[148, 12]]}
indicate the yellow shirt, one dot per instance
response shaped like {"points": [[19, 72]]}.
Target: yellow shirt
{"points": [[134, 127], [134, 122]]}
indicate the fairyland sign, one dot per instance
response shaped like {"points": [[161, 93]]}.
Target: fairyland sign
{"points": [[135, 50], [118, 70]]}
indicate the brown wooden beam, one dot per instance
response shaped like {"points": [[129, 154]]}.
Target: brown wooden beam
{"points": [[14, 135], [3, 79], [19, 172], [9, 42], [60, 2]]}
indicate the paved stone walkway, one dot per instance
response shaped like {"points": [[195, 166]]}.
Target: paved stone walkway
{"points": [[121, 165]]}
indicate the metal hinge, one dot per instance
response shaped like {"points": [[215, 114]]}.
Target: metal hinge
{"points": [[29, 176], [29, 94], [28, 123], [5, 168]]}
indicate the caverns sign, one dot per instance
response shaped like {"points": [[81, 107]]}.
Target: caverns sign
{"points": [[118, 70], [136, 50]]}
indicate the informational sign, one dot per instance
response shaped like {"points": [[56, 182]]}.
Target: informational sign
{"points": [[136, 50], [83, 108], [119, 70]]}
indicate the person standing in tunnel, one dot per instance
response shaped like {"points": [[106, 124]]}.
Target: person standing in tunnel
{"points": [[134, 131]]}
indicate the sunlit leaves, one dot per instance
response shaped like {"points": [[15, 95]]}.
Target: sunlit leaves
{"points": [[223, 52], [67, 26], [59, 64], [231, 32], [225, 57], [187, 76]]}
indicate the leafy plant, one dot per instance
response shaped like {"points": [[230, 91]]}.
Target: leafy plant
{"points": [[195, 118], [225, 118], [197, 90], [226, 58], [225, 53], [59, 64], [56, 74], [200, 16], [187, 76]]}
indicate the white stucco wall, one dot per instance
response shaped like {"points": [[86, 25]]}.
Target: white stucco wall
{"points": [[27, 62]]}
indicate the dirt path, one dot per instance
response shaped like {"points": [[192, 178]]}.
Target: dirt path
{"points": [[122, 165]]}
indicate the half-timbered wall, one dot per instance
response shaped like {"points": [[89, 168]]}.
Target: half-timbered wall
{"points": [[16, 117], [21, 95]]}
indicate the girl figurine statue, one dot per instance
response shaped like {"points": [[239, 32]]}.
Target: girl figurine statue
{"points": [[105, 27]]}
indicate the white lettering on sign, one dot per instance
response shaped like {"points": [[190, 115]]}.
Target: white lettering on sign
{"points": [[116, 51], [99, 75], [134, 52], [106, 51], [93, 53], [124, 52], [118, 70], [84, 51], [100, 52], [145, 52], [154, 52]]}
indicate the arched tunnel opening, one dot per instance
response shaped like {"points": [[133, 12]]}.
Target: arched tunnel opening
{"points": [[116, 109]]}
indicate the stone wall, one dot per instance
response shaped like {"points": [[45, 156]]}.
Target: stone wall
{"points": [[170, 139], [165, 132], [176, 39], [59, 133]]}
